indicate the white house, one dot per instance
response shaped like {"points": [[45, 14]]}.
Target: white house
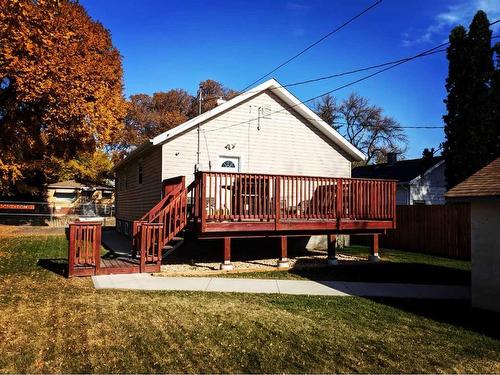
{"points": [[420, 181], [264, 130]]}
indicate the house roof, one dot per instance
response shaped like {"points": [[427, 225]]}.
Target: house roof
{"points": [[73, 184], [483, 183], [404, 171], [281, 93]]}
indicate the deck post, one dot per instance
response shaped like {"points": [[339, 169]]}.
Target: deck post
{"points": [[374, 249], [283, 260], [97, 247], [71, 250], [332, 249], [227, 265]]}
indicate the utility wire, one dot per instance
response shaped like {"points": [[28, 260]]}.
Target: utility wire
{"points": [[314, 44], [336, 75], [340, 87], [402, 127], [335, 123], [349, 72], [400, 62]]}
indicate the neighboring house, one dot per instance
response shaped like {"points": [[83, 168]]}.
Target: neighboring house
{"points": [[66, 196], [419, 181], [265, 130], [482, 190]]}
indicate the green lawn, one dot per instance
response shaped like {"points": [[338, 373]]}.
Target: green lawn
{"points": [[52, 324]]}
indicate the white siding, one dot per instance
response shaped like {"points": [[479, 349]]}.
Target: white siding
{"points": [[402, 194], [430, 188], [285, 144]]}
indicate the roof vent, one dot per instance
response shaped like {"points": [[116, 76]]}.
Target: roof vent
{"points": [[221, 101]]}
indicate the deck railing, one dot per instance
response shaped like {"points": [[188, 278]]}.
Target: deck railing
{"points": [[151, 244], [84, 246], [261, 197]]}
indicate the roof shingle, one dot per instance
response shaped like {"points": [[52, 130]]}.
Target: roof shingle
{"points": [[402, 171], [483, 183]]}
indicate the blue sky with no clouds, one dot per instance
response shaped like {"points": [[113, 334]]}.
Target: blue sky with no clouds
{"points": [[177, 44]]}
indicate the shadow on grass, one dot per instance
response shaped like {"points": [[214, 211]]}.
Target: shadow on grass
{"points": [[453, 312], [384, 272], [56, 265]]}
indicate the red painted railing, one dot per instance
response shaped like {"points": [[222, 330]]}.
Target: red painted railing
{"points": [[151, 244], [261, 197], [168, 218], [172, 188], [173, 217], [84, 246]]}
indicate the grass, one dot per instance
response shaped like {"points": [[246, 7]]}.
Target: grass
{"points": [[52, 324], [395, 267]]}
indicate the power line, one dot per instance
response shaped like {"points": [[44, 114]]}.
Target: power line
{"points": [[355, 70], [349, 72], [341, 87], [315, 43], [336, 75], [400, 62], [400, 127], [424, 53]]}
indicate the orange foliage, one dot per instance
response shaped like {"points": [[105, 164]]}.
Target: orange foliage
{"points": [[60, 88]]}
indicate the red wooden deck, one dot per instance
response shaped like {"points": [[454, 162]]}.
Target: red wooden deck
{"points": [[228, 205], [238, 204]]}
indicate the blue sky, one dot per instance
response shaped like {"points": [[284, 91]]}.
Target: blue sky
{"points": [[177, 44]]}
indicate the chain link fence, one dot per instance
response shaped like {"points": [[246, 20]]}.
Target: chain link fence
{"points": [[54, 214]]}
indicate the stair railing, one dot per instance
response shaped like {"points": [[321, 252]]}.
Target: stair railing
{"points": [[173, 216], [149, 217]]}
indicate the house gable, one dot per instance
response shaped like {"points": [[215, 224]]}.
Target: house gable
{"points": [[265, 136], [289, 101]]}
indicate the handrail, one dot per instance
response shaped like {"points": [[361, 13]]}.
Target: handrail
{"points": [[192, 190], [162, 204], [266, 197], [173, 216], [157, 207]]}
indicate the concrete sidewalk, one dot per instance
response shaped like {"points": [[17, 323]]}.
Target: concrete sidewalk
{"points": [[299, 287]]}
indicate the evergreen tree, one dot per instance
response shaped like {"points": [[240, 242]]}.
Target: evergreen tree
{"points": [[470, 131]]}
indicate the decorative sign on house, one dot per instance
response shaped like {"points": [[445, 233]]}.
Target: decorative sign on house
{"points": [[16, 206]]}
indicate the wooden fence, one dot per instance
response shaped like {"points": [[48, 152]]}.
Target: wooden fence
{"points": [[433, 229]]}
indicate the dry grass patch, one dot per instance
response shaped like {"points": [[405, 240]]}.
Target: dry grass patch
{"points": [[51, 324]]}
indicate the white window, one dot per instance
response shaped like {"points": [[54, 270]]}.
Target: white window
{"points": [[229, 163]]}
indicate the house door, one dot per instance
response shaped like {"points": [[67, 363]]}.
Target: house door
{"points": [[229, 164]]}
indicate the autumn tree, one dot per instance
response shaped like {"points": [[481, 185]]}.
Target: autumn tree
{"points": [[91, 167], [210, 91], [364, 125], [148, 116], [60, 90], [472, 127]]}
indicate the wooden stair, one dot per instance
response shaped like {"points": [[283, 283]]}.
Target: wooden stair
{"points": [[171, 214], [173, 245]]}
